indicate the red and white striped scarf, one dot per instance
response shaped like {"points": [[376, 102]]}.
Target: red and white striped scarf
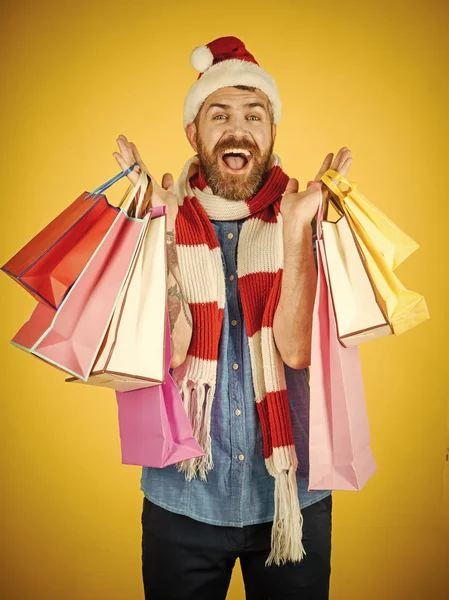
{"points": [[259, 270]]}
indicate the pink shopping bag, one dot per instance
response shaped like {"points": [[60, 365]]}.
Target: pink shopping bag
{"points": [[339, 443], [154, 428], [70, 337]]}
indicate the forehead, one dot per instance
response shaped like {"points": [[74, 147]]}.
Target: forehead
{"points": [[235, 97]]}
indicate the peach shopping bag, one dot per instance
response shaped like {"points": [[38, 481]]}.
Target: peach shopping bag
{"points": [[71, 341]]}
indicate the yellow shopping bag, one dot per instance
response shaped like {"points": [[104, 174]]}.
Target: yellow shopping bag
{"points": [[383, 247]]}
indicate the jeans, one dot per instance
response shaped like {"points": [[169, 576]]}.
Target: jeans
{"points": [[185, 559]]}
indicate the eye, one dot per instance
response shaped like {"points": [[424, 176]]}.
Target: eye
{"points": [[217, 116], [254, 116]]}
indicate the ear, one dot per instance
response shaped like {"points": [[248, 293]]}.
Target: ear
{"points": [[273, 131], [191, 134]]}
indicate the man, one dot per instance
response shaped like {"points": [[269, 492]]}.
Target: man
{"points": [[241, 290]]}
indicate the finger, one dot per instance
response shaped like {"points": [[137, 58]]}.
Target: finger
{"points": [[137, 157], [121, 161], [342, 154], [324, 167], [345, 154], [292, 187], [167, 182], [344, 169], [344, 157], [126, 152], [337, 158], [124, 165], [125, 149]]}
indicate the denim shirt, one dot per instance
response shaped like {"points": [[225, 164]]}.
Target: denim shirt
{"points": [[239, 491]]}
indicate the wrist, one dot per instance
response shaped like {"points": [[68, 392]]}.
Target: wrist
{"points": [[170, 225], [297, 223], [296, 236], [172, 213]]}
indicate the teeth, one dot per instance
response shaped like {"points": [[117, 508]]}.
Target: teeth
{"points": [[238, 151]]}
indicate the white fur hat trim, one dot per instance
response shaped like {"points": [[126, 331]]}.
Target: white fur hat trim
{"points": [[226, 74]]}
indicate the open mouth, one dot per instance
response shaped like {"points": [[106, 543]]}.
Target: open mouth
{"points": [[236, 159]]}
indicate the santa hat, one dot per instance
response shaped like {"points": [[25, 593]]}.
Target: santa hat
{"points": [[226, 62]]}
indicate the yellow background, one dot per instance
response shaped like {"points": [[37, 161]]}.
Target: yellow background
{"points": [[372, 76]]}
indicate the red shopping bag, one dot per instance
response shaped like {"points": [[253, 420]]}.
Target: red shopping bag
{"points": [[50, 263], [70, 337], [154, 427], [340, 457]]}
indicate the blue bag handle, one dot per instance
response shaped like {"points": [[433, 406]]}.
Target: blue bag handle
{"points": [[102, 188]]}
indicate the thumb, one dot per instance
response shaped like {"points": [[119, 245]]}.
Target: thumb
{"points": [[167, 182], [292, 186]]}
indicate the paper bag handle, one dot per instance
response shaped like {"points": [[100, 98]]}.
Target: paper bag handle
{"points": [[141, 184], [104, 186], [330, 174], [127, 200]]}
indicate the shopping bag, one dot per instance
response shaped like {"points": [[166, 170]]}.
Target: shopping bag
{"points": [[383, 247], [358, 315], [48, 265], [385, 235], [72, 341], [132, 354], [154, 428], [340, 457]]}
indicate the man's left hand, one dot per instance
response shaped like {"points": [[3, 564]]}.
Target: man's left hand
{"points": [[303, 206]]}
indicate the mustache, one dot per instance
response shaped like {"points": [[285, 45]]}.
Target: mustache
{"points": [[230, 144]]}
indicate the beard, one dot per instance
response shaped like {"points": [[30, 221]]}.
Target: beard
{"points": [[238, 187]]}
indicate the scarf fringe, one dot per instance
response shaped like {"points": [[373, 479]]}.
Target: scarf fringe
{"points": [[286, 533], [198, 406]]}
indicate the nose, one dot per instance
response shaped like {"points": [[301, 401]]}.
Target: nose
{"points": [[238, 126]]}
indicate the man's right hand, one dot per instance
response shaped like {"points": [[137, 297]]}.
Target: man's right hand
{"points": [[127, 156], [156, 195]]}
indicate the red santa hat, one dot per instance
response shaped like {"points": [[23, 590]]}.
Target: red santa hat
{"points": [[226, 62]]}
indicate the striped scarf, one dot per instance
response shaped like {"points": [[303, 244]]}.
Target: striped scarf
{"points": [[259, 269]]}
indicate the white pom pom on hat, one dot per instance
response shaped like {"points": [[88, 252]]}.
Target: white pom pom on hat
{"points": [[226, 62], [201, 58]]}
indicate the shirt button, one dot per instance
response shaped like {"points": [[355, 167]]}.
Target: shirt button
{"points": [[241, 457], [235, 366], [230, 236], [238, 412], [233, 322], [231, 277]]}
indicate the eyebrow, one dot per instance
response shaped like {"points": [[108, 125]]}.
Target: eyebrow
{"points": [[227, 106]]}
